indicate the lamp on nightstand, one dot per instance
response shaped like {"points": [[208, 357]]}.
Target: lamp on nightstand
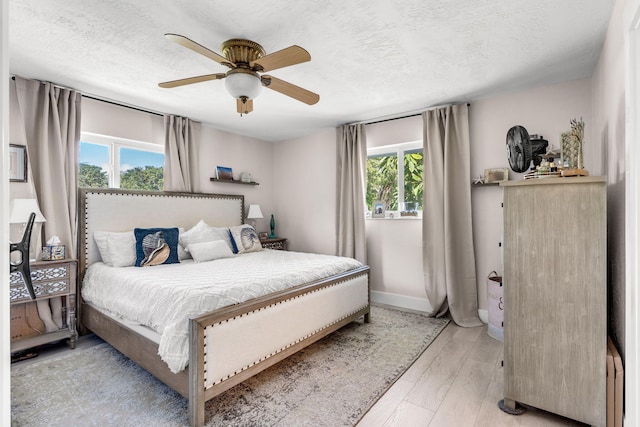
{"points": [[254, 213], [19, 212]]}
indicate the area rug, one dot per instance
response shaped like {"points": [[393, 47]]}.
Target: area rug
{"points": [[330, 383]]}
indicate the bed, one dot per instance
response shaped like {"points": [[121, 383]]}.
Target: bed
{"points": [[225, 345]]}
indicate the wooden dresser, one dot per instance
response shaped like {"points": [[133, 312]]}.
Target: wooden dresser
{"points": [[555, 293]]}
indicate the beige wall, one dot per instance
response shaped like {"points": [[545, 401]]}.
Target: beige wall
{"points": [[109, 119], [304, 182], [242, 154], [304, 178], [608, 87], [5, 367], [298, 183]]}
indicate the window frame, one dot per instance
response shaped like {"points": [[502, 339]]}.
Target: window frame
{"points": [[114, 144], [398, 150]]}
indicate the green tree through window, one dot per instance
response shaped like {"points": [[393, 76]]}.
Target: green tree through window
{"points": [[110, 162], [92, 176], [397, 184], [147, 178], [382, 181], [413, 185]]}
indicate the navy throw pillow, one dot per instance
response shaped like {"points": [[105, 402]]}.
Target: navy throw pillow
{"points": [[155, 246]]}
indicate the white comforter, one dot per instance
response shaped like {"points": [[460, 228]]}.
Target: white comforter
{"points": [[164, 297]]}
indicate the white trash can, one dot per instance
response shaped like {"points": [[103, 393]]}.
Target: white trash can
{"points": [[495, 301]]}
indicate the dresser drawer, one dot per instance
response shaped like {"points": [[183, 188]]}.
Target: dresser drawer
{"points": [[47, 280]]}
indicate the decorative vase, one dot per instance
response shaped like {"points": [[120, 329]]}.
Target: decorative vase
{"points": [[273, 228]]}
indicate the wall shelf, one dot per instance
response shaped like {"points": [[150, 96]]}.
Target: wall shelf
{"points": [[234, 181], [483, 184]]}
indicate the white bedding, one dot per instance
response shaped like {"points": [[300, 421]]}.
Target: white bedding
{"points": [[164, 297]]}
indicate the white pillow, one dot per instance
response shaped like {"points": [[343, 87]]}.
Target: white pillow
{"points": [[182, 252], [245, 238], [116, 249], [201, 232], [207, 251]]}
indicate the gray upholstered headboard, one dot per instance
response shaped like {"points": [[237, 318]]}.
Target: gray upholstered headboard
{"points": [[123, 210]]}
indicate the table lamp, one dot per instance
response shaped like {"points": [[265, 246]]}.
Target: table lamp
{"points": [[254, 213], [19, 212]]}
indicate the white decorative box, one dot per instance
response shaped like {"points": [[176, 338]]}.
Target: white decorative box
{"points": [[496, 308], [53, 253]]}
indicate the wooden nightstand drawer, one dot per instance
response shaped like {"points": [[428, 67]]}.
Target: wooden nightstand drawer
{"points": [[48, 278], [277, 243], [19, 293]]}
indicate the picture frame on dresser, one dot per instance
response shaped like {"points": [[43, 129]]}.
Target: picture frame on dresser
{"points": [[378, 210]]}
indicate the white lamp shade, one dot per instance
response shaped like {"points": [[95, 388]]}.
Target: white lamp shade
{"points": [[242, 84], [254, 212], [20, 209]]}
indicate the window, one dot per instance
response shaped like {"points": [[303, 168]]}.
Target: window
{"points": [[394, 178], [109, 162]]}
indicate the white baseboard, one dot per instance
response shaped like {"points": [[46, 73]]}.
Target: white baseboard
{"points": [[484, 316], [402, 301], [413, 303]]}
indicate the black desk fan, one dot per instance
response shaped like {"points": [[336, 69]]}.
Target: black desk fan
{"points": [[522, 150], [23, 247]]}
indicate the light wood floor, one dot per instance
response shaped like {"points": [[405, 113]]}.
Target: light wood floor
{"points": [[456, 382]]}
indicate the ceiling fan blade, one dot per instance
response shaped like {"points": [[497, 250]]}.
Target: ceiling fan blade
{"points": [[245, 106], [196, 47], [291, 90], [191, 80], [282, 58]]}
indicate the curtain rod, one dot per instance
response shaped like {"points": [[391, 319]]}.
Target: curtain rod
{"points": [[404, 115], [108, 101]]}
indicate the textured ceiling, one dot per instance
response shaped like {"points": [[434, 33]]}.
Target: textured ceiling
{"points": [[369, 58]]}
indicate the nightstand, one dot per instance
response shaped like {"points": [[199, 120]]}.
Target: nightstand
{"points": [[277, 243], [51, 279]]}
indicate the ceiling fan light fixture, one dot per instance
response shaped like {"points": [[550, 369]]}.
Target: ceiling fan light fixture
{"points": [[246, 59], [243, 83]]}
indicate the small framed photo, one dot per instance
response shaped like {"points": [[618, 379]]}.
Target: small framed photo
{"points": [[223, 172], [496, 175], [377, 210], [263, 235], [17, 163]]}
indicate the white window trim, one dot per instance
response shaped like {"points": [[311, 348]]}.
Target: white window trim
{"points": [[398, 150], [115, 143]]}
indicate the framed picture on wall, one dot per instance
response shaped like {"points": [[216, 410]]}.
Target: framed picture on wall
{"points": [[225, 173], [17, 163], [377, 210]]}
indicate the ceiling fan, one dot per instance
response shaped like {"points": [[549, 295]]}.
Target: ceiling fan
{"points": [[246, 59]]}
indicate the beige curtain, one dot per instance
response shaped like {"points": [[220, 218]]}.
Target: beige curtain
{"points": [[351, 154], [448, 256], [181, 154], [50, 116], [51, 119]]}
